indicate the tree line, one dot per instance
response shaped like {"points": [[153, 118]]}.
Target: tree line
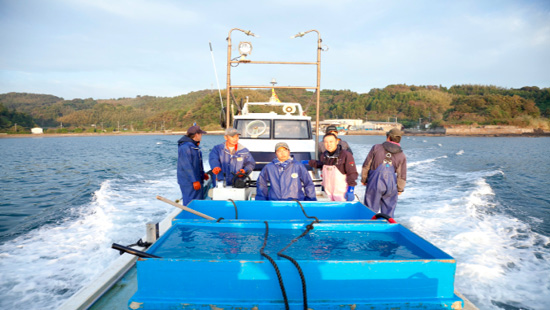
{"points": [[409, 104]]}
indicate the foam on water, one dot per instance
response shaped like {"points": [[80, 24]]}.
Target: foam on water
{"points": [[430, 160], [45, 266], [497, 255]]}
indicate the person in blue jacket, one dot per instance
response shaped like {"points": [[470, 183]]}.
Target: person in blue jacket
{"points": [[190, 169], [230, 158], [288, 179]]}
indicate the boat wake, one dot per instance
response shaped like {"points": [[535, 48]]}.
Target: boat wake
{"points": [[496, 254], [44, 267]]}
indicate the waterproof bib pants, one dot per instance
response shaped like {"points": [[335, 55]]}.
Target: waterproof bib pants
{"points": [[334, 183], [381, 193]]}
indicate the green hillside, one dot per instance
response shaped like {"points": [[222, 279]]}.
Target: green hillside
{"points": [[459, 104]]}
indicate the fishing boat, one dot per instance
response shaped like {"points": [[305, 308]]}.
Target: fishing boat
{"points": [[232, 252]]}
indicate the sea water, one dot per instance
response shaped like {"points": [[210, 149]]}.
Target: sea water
{"points": [[65, 200], [236, 243]]}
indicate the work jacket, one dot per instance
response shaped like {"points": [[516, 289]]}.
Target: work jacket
{"points": [[285, 181], [189, 168], [230, 163], [376, 157], [343, 160]]}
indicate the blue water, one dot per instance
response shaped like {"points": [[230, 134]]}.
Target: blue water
{"points": [[244, 244], [64, 200]]}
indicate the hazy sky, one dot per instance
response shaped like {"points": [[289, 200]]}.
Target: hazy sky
{"points": [[105, 49]]}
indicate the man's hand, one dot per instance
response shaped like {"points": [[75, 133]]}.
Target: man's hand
{"points": [[312, 163], [216, 170], [196, 185], [206, 176], [241, 173]]}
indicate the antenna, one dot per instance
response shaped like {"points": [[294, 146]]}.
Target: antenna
{"points": [[216, 73]]}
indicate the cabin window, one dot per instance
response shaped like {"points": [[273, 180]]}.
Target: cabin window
{"points": [[254, 128], [291, 129]]}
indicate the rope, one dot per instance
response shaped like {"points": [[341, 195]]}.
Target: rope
{"points": [[281, 284], [304, 211], [235, 205], [295, 263]]}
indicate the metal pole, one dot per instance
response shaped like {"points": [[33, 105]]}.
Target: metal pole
{"points": [[318, 88], [228, 91], [318, 92], [228, 78]]}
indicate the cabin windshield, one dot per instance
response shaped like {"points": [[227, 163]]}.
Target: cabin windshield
{"points": [[286, 129], [282, 129], [254, 128]]}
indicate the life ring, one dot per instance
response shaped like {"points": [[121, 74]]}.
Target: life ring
{"points": [[289, 109], [387, 217], [256, 128]]}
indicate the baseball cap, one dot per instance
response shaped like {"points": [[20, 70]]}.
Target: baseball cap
{"points": [[231, 132], [195, 129], [281, 144], [395, 132], [331, 128]]}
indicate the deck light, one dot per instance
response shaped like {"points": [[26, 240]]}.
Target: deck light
{"points": [[245, 48]]}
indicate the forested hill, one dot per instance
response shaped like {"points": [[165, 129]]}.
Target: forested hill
{"points": [[462, 104]]}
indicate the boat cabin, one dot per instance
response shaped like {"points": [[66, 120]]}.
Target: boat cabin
{"points": [[276, 122]]}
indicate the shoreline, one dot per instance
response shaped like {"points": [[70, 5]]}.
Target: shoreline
{"points": [[221, 132]]}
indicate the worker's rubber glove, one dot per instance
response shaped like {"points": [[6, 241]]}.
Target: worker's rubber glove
{"points": [[216, 170], [196, 185], [305, 162], [349, 194], [241, 173], [206, 176]]}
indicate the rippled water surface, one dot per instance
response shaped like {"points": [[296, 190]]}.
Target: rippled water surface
{"points": [[65, 200]]}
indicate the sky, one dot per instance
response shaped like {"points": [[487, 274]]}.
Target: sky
{"points": [[105, 49]]}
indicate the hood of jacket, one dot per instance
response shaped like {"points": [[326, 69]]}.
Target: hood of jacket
{"points": [[392, 147], [186, 139]]}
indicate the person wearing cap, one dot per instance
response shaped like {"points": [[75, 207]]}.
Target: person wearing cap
{"points": [[338, 170], [285, 178], [385, 173], [190, 169], [334, 131], [231, 158]]}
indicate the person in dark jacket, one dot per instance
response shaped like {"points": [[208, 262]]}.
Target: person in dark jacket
{"points": [[285, 178], [230, 158], [338, 170], [190, 169], [334, 131], [385, 173]]}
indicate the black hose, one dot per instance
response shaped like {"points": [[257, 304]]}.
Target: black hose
{"points": [[295, 263], [128, 250], [236, 211], [281, 284], [304, 211]]}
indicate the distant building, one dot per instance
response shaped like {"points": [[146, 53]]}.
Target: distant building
{"points": [[37, 131], [384, 126], [357, 124]]}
